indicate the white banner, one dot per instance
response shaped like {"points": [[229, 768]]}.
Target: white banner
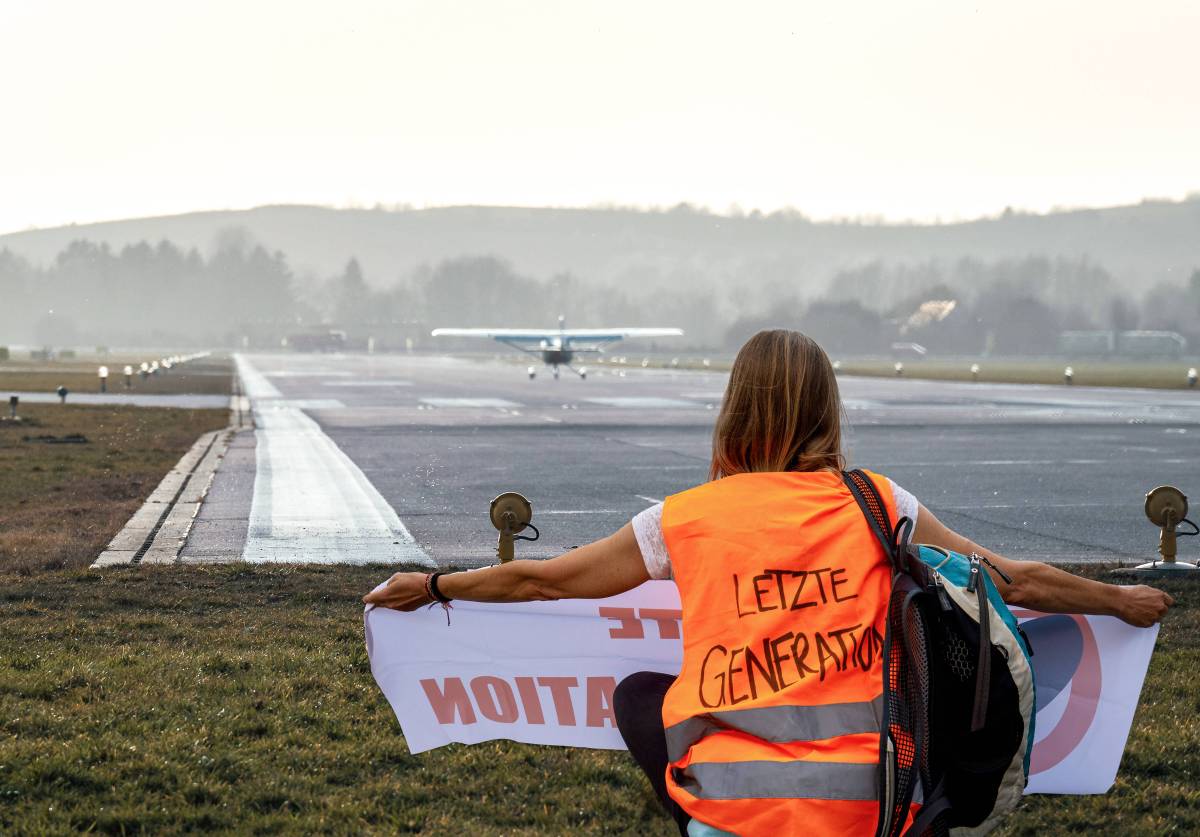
{"points": [[1088, 672], [544, 673]]}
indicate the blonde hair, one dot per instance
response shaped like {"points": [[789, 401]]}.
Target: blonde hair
{"points": [[782, 411]]}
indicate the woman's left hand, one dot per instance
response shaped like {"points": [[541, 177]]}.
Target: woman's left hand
{"points": [[404, 591]]}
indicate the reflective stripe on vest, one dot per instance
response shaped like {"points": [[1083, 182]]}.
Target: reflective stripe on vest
{"points": [[779, 723], [775, 717], [781, 780]]}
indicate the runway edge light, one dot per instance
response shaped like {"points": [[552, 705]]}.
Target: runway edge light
{"points": [[1166, 507], [511, 514]]}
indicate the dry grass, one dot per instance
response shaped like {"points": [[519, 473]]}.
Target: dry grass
{"points": [[206, 376], [239, 699], [60, 504]]}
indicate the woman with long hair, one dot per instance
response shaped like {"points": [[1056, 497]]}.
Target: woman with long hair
{"points": [[774, 541]]}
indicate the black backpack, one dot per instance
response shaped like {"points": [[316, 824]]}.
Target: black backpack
{"points": [[957, 685]]}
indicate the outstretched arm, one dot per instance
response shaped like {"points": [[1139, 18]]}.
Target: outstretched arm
{"points": [[1042, 587], [603, 568]]}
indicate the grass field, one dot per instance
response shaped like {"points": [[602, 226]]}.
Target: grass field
{"points": [[60, 504], [239, 698], [205, 376]]}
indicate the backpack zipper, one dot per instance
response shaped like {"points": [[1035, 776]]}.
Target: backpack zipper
{"points": [[973, 578], [940, 589], [983, 669], [1007, 578]]}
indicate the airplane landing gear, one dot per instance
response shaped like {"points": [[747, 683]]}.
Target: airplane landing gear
{"points": [[555, 371]]}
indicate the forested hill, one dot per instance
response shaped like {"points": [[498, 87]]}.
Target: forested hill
{"points": [[1154, 241]]}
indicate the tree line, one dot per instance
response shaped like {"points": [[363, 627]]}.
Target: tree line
{"points": [[241, 293], [1004, 307], [146, 294]]}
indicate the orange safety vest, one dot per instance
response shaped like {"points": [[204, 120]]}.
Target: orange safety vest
{"points": [[773, 725]]}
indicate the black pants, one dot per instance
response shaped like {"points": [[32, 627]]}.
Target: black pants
{"points": [[638, 703]]}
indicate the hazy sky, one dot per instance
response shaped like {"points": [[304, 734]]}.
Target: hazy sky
{"points": [[914, 109]]}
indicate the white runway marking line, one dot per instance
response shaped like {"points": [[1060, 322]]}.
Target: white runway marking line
{"points": [[367, 383], [642, 402], [651, 500], [311, 403], [492, 403], [311, 503], [661, 468]]}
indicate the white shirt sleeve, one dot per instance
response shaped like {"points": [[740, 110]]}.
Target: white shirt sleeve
{"points": [[906, 504], [647, 528]]}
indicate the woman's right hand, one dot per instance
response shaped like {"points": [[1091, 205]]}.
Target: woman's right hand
{"points": [[1142, 606], [404, 591]]}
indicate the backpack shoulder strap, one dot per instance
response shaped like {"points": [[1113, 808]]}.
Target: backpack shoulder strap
{"points": [[895, 539], [873, 508]]}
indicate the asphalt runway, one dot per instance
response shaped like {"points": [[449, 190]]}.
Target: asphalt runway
{"points": [[1052, 473]]}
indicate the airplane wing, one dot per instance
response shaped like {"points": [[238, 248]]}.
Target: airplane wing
{"points": [[586, 335], [506, 334], [575, 336]]}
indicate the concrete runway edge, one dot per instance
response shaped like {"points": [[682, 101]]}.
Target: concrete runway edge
{"points": [[159, 529]]}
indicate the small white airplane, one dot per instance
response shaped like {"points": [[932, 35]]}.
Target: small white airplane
{"points": [[558, 348]]}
